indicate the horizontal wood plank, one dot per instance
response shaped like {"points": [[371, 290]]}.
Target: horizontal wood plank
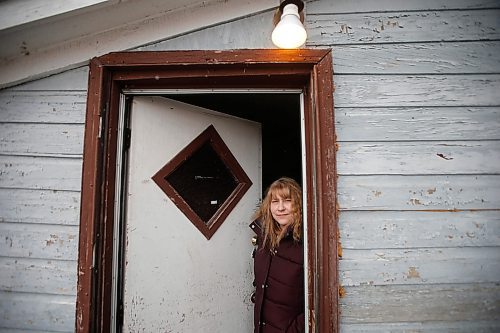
{"points": [[413, 58], [39, 206], [416, 91], [40, 173], [421, 303], [418, 58], [38, 276], [408, 123], [407, 158], [418, 192], [414, 229], [361, 6], [42, 107], [75, 80], [41, 139], [38, 241], [402, 27], [476, 326], [419, 266], [227, 36], [41, 312]]}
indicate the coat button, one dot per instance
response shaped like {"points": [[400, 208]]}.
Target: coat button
{"points": [[263, 286]]}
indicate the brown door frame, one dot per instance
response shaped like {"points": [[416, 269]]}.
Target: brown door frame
{"points": [[309, 70]]}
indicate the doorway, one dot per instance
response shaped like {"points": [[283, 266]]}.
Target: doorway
{"points": [[213, 277], [280, 117], [308, 71]]}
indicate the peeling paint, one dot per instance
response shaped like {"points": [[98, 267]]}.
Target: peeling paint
{"points": [[471, 234], [413, 273], [342, 292], [345, 29], [415, 201], [8, 241], [444, 157]]}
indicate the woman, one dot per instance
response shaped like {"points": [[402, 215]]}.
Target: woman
{"points": [[279, 260]]}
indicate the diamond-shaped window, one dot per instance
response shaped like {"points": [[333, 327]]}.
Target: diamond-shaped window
{"points": [[204, 181]]}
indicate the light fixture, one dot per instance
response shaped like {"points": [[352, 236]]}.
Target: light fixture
{"points": [[289, 33]]}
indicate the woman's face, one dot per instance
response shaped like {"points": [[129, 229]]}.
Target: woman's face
{"points": [[281, 209]]}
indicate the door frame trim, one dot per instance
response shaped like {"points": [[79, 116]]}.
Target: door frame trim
{"points": [[309, 70]]}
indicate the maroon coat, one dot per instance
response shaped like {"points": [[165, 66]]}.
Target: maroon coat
{"points": [[279, 286]]}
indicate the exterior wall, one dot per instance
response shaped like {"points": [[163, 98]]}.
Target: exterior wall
{"points": [[418, 125], [41, 144]]}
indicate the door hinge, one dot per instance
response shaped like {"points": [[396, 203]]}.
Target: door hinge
{"points": [[127, 136], [102, 115]]}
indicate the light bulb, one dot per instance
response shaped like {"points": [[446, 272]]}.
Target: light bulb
{"points": [[289, 33]]}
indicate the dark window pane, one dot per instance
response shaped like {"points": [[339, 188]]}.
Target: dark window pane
{"points": [[203, 181]]}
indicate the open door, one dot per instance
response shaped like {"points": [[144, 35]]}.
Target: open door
{"points": [[192, 185]]}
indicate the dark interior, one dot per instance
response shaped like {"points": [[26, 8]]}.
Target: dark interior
{"points": [[279, 114], [203, 181]]}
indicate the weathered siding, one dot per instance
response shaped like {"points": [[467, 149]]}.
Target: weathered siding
{"points": [[418, 127], [417, 114], [418, 124], [41, 144]]}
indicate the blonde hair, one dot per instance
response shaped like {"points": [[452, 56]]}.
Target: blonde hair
{"points": [[286, 188]]}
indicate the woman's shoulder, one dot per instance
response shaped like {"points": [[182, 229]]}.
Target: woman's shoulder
{"points": [[256, 226]]}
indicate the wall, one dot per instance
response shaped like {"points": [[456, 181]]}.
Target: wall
{"points": [[41, 144], [418, 127]]}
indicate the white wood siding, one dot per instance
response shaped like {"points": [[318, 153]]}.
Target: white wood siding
{"points": [[417, 114], [418, 128], [41, 145]]}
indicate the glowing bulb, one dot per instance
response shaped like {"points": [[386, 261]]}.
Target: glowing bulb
{"points": [[289, 32]]}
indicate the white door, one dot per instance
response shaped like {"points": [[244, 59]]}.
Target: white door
{"points": [[175, 279]]}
